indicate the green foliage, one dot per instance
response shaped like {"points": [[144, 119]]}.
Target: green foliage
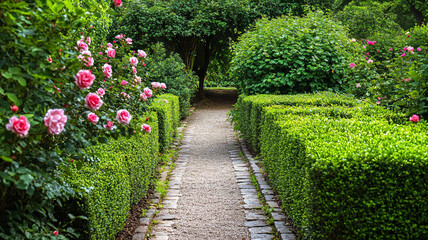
{"points": [[166, 108], [170, 69], [117, 176], [175, 108], [365, 20], [31, 186], [291, 55], [248, 111], [397, 76], [344, 178]]}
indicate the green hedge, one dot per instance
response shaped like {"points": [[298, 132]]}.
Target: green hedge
{"points": [[117, 176], [357, 178], [168, 118], [247, 113]]}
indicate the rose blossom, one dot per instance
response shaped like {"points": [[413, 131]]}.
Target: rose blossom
{"points": [[141, 53], [111, 52], [101, 92], [358, 85], [19, 126], [120, 36], [414, 118], [351, 65], [369, 61], [14, 108], [129, 41], [133, 61], [390, 49], [148, 92], [143, 96], [156, 84], [123, 117], [134, 70], [123, 82], [93, 118], [109, 126], [163, 85], [107, 70], [403, 55], [93, 102], [84, 79], [50, 59], [117, 3], [55, 233], [82, 45], [55, 121], [419, 49], [137, 79], [88, 40], [109, 45], [146, 128]]}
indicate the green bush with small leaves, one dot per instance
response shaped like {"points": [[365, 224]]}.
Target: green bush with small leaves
{"points": [[166, 109], [291, 55], [248, 111], [116, 176], [340, 178]]}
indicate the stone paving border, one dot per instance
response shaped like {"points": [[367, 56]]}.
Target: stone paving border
{"points": [[268, 195]]}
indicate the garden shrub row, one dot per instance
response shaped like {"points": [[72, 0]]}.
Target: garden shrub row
{"points": [[344, 172], [166, 107], [249, 108], [118, 173]]}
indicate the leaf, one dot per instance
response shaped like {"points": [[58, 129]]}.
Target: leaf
{"points": [[12, 97], [14, 70], [7, 159], [21, 81], [6, 74], [1, 91]]}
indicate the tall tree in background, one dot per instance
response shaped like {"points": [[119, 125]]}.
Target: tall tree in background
{"points": [[198, 30]]}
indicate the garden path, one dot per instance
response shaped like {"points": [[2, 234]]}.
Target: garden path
{"points": [[210, 194]]}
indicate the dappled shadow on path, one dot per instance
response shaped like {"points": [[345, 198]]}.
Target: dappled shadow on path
{"points": [[219, 98]]}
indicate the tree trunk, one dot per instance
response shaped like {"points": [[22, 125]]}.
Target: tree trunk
{"points": [[419, 16], [203, 67]]}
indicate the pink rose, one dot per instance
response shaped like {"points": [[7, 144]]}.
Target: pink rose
{"points": [[109, 45], [50, 59], [405, 48], [123, 117], [410, 49], [111, 52], [390, 49], [133, 61], [137, 79], [82, 45], [377, 102], [369, 61], [88, 40], [358, 85], [143, 96], [86, 57], [367, 54], [109, 126], [101, 92], [19, 126], [129, 41], [93, 102], [117, 3], [14, 108], [123, 82], [419, 49], [93, 118], [367, 58], [141, 53], [146, 128], [148, 92], [163, 85], [55, 233], [134, 70], [55, 121], [107, 70], [120, 36], [84, 79], [351, 65], [414, 118], [156, 84], [403, 55]]}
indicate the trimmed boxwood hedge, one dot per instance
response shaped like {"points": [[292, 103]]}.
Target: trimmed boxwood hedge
{"points": [[356, 178], [117, 176], [247, 113], [166, 107]]}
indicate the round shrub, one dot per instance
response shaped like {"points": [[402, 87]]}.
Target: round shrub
{"points": [[291, 55]]}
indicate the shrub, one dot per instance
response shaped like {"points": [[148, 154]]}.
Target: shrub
{"points": [[348, 178], [175, 108], [117, 175], [291, 55], [169, 68], [165, 108], [248, 111], [364, 21]]}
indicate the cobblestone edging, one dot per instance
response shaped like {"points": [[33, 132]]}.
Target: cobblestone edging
{"points": [[165, 220], [268, 195]]}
